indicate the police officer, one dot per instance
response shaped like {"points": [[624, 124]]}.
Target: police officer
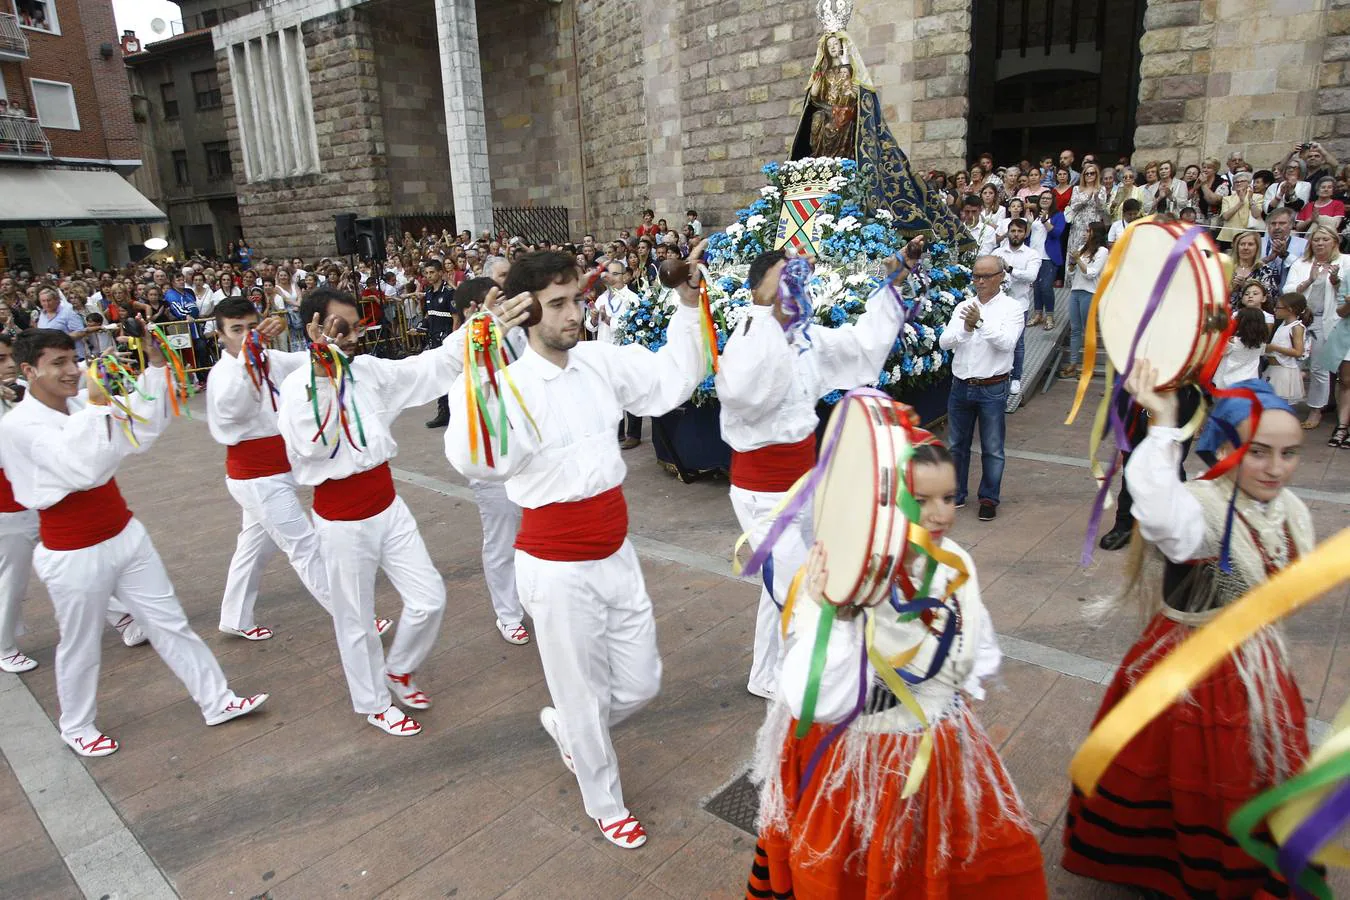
{"points": [[439, 321]]}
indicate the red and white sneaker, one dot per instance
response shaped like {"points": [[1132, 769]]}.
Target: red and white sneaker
{"points": [[514, 634], [383, 626], [239, 706], [406, 692], [16, 662], [256, 633], [98, 746], [396, 722], [133, 635], [623, 831], [548, 717]]}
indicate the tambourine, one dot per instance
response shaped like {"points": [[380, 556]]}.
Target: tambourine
{"points": [[1188, 324], [858, 520]]}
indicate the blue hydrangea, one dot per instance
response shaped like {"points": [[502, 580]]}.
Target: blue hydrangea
{"points": [[772, 169]]}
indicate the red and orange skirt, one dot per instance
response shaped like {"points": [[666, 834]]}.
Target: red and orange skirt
{"points": [[1159, 818], [850, 835]]}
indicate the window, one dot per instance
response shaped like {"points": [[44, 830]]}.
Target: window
{"points": [[218, 159], [210, 18], [273, 105], [206, 85], [168, 94], [40, 15], [55, 102], [180, 168]]}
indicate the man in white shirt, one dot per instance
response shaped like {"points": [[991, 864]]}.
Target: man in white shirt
{"points": [[61, 450], [242, 415], [981, 232], [768, 384], [982, 334], [604, 322], [1023, 265], [578, 574]]}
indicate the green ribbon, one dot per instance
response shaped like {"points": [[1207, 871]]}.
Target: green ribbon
{"points": [[818, 654], [1247, 819]]}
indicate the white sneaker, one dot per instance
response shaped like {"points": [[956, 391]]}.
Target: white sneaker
{"points": [[133, 635], [548, 717], [1016, 387], [514, 634], [16, 662], [396, 722], [623, 831], [239, 706], [102, 745]]}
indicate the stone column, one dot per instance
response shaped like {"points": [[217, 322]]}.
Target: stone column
{"points": [[1174, 80], [661, 76], [465, 125]]}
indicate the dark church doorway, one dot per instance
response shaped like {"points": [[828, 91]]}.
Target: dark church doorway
{"points": [[1046, 75]]}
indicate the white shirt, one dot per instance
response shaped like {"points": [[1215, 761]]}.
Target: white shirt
{"points": [[768, 383], [988, 350], [614, 304], [573, 455], [1039, 232], [1239, 363], [985, 236], [1025, 263], [236, 411], [49, 455], [1117, 229], [1086, 279], [1274, 196], [383, 389], [1320, 294]]}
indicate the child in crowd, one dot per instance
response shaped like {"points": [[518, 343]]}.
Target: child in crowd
{"points": [[1288, 347], [1242, 356]]}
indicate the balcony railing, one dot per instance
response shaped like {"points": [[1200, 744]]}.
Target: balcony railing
{"points": [[13, 42], [22, 138]]}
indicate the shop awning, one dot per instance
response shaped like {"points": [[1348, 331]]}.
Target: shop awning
{"points": [[51, 198]]}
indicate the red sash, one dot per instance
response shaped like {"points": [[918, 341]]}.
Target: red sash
{"points": [[594, 528], [775, 468], [257, 458], [7, 502], [84, 518], [355, 497]]}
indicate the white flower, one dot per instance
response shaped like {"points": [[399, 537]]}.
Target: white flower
{"points": [[824, 219], [848, 223], [768, 191], [755, 221], [896, 373], [884, 215], [858, 278], [910, 335], [735, 316], [734, 229]]}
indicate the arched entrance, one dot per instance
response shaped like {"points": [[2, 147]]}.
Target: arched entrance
{"points": [[1051, 74]]}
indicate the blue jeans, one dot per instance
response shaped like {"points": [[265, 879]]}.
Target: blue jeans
{"points": [[967, 404], [1043, 292], [1020, 351], [1080, 304]]}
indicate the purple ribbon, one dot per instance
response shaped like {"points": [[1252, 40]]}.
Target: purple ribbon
{"points": [[795, 300], [797, 503], [1123, 445], [839, 728], [1314, 832]]}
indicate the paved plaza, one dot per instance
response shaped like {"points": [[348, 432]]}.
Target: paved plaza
{"points": [[308, 801]]}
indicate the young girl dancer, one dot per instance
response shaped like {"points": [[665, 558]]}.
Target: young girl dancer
{"points": [[1287, 347], [1159, 818], [844, 830]]}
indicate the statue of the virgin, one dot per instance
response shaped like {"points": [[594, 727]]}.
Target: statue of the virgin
{"points": [[842, 118]]}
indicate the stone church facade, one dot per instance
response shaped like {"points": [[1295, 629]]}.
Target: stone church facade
{"points": [[399, 107]]}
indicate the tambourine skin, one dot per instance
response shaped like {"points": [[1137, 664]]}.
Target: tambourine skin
{"points": [[857, 520], [1189, 323]]}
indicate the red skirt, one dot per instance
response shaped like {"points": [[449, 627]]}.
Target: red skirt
{"points": [[1159, 818], [991, 855]]}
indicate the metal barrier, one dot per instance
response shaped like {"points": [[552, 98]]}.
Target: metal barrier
{"points": [[533, 223]]}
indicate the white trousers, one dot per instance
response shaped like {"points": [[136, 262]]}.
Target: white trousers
{"points": [[596, 635], [501, 523], [789, 554], [1319, 379], [353, 552], [80, 582], [18, 538], [273, 519]]}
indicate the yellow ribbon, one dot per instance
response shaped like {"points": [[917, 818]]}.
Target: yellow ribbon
{"points": [[791, 600], [919, 767], [919, 536], [1113, 263], [1296, 586]]}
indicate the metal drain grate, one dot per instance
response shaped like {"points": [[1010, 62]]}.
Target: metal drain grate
{"points": [[737, 803]]}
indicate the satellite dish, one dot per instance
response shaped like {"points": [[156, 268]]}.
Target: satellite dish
{"points": [[155, 244], [158, 26]]}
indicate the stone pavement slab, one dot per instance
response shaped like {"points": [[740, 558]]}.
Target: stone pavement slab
{"points": [[306, 800]]}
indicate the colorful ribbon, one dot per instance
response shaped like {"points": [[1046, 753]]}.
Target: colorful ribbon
{"points": [[711, 355], [1289, 590], [258, 366], [109, 377], [177, 385], [487, 358], [794, 298], [326, 361]]}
